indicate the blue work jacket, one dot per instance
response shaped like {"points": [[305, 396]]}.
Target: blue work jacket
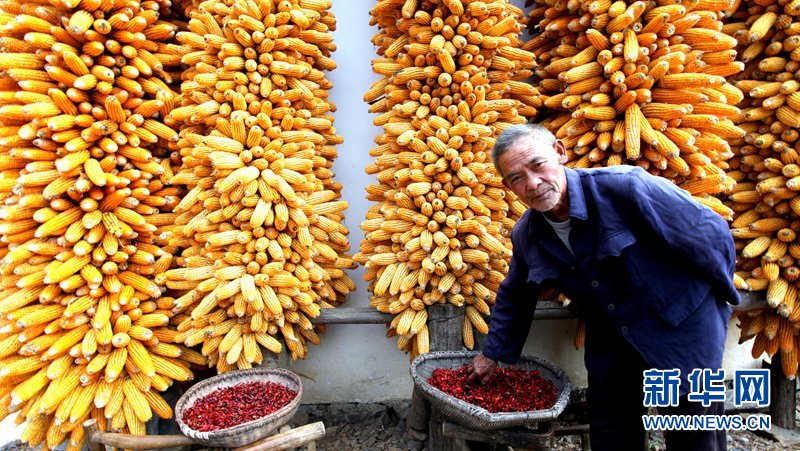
{"points": [[650, 264]]}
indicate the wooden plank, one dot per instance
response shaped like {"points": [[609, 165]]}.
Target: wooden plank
{"points": [[544, 310], [574, 429], [751, 300], [97, 438], [367, 315], [552, 310], [352, 315], [517, 438], [287, 439]]}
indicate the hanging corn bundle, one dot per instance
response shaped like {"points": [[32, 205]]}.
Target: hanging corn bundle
{"points": [[85, 175], [641, 83], [452, 81], [765, 166], [261, 222]]}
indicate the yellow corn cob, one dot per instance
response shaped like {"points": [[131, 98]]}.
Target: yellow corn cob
{"points": [[476, 319], [132, 420], [171, 369], [137, 401], [115, 364], [756, 247], [158, 405], [466, 332]]}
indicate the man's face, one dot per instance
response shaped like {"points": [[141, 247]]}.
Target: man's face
{"points": [[533, 171]]}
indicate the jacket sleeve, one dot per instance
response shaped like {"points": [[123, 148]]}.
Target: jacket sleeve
{"points": [[693, 230], [512, 312]]}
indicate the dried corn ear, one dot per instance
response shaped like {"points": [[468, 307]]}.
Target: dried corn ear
{"points": [[641, 83], [261, 223], [453, 79], [87, 163]]}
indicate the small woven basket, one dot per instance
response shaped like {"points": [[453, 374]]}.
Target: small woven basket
{"points": [[478, 418], [245, 433]]}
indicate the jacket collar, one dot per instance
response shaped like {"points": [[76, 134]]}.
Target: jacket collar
{"points": [[577, 201], [548, 241]]}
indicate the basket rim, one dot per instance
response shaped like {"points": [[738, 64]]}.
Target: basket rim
{"points": [[220, 434], [450, 402]]}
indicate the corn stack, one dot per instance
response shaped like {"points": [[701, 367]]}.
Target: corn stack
{"points": [[765, 166], [261, 223], [85, 187], [771, 333], [641, 83], [451, 81]]}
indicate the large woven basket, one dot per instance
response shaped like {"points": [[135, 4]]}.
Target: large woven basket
{"points": [[244, 433], [479, 418]]}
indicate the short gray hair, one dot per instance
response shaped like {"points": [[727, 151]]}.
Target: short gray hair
{"points": [[510, 136]]}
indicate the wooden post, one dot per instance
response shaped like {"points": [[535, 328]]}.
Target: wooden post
{"points": [[444, 325], [419, 414], [436, 438], [91, 429], [783, 399]]}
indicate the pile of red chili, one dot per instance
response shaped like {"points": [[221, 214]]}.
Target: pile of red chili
{"points": [[509, 389], [237, 404]]}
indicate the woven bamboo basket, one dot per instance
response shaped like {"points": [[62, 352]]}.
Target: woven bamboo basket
{"points": [[478, 418], [244, 433]]}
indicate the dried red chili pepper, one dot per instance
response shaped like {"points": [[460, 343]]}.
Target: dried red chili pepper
{"points": [[237, 404], [509, 389]]}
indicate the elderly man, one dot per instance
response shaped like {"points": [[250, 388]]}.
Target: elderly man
{"points": [[650, 269]]}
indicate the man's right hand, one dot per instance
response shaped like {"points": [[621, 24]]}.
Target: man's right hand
{"points": [[481, 369]]}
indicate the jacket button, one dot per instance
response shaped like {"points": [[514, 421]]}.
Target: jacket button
{"points": [[623, 329], [611, 306], [594, 284]]}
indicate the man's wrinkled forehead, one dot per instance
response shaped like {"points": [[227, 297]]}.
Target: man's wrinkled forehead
{"points": [[535, 148]]}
